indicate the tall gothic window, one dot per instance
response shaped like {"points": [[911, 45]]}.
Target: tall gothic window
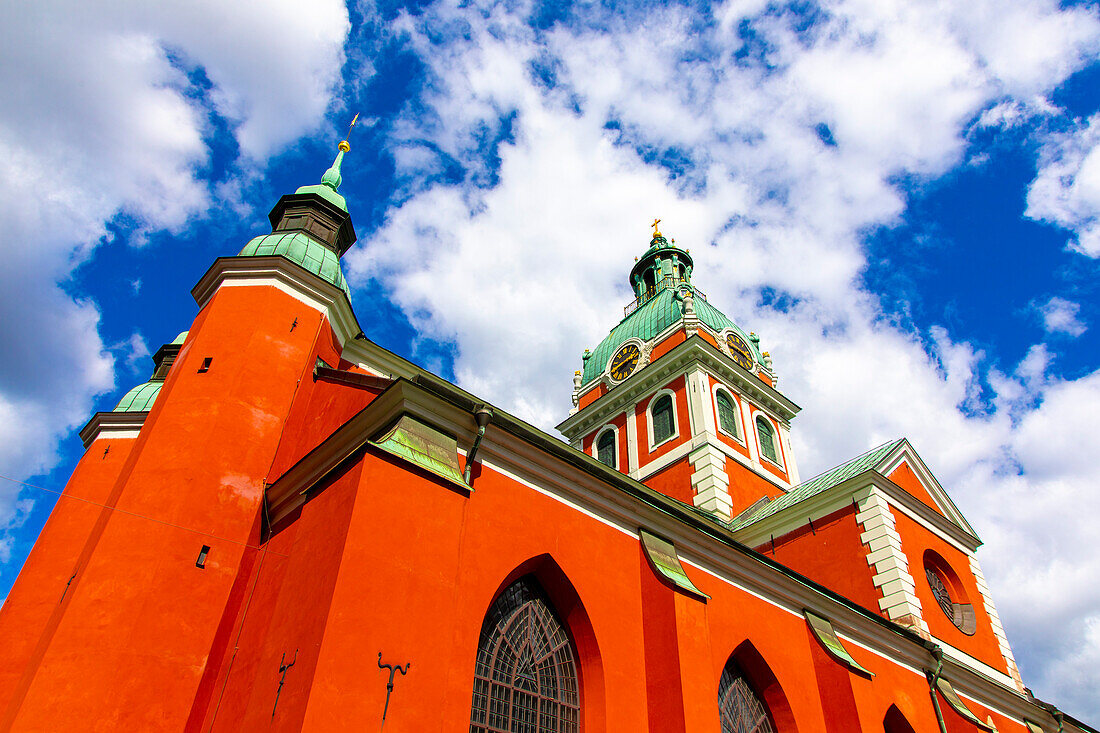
{"points": [[605, 448], [727, 415], [525, 678], [767, 439], [661, 412], [739, 708]]}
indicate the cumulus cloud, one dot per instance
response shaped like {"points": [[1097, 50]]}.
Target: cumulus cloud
{"points": [[767, 138], [1062, 316], [106, 114], [1066, 190]]}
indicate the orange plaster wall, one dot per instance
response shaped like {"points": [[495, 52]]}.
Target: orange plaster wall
{"points": [[591, 395], [746, 486], [668, 344], [42, 583], [683, 424], [674, 481], [915, 539], [831, 554], [904, 477]]}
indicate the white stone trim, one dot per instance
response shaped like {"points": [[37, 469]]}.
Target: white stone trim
{"points": [[653, 445], [632, 439], [788, 454], [710, 482], [596, 439], [995, 621], [700, 412], [891, 568], [280, 273]]}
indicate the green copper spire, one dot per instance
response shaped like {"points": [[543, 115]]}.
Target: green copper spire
{"points": [[330, 181]]}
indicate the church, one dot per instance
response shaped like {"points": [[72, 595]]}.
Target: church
{"points": [[289, 527]]}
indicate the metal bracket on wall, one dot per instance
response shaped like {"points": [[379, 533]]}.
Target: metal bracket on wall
{"points": [[283, 667], [389, 685]]}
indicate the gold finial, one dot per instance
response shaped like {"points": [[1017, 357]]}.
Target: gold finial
{"points": [[656, 231], [344, 144]]}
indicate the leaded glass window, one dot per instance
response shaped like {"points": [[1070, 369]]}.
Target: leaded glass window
{"points": [[739, 708], [525, 678], [767, 439], [605, 448], [662, 418], [727, 414]]}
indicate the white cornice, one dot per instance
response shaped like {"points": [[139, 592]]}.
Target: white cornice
{"points": [[694, 350], [113, 425], [279, 272]]}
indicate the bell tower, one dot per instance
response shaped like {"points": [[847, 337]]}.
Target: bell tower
{"points": [[681, 398]]}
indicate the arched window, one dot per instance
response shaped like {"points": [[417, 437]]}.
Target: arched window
{"points": [[727, 414], [767, 439], [525, 678], [895, 722], [661, 413], [739, 707], [605, 448]]}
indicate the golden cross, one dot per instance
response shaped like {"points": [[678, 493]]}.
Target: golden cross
{"points": [[654, 225]]}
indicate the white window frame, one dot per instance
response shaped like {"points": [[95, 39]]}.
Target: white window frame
{"points": [[756, 415], [719, 387], [596, 442], [649, 418]]}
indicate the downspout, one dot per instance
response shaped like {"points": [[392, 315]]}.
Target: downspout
{"points": [[484, 416], [1060, 719], [937, 654]]}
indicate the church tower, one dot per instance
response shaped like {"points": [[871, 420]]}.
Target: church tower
{"points": [[132, 580], [679, 397]]}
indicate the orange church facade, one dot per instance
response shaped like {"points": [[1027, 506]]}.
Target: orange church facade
{"points": [[286, 507]]}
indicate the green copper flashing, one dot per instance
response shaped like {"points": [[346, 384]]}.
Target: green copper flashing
{"points": [[825, 633], [662, 557], [424, 446], [303, 250]]}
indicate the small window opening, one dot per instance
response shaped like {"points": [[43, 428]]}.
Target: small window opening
{"points": [[200, 562], [727, 415], [206, 364], [605, 448], [662, 419], [767, 439]]}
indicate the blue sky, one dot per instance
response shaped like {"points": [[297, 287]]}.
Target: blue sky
{"points": [[903, 200]]}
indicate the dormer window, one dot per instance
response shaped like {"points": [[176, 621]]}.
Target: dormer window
{"points": [[949, 593], [727, 414], [766, 434], [605, 448]]}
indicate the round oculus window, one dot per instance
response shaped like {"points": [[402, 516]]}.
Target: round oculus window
{"points": [[625, 362], [739, 350]]}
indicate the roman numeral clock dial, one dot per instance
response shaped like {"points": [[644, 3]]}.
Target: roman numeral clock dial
{"points": [[625, 362], [739, 350]]}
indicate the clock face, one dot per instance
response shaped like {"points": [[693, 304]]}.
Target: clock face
{"points": [[624, 363], [739, 350]]}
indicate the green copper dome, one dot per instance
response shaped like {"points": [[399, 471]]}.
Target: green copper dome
{"points": [[649, 320], [140, 398], [301, 249]]}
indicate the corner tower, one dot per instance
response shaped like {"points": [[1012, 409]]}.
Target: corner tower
{"points": [[681, 398], [141, 564]]}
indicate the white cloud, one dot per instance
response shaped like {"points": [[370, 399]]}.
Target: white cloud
{"points": [[1062, 316], [99, 119], [522, 271], [1066, 190]]}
